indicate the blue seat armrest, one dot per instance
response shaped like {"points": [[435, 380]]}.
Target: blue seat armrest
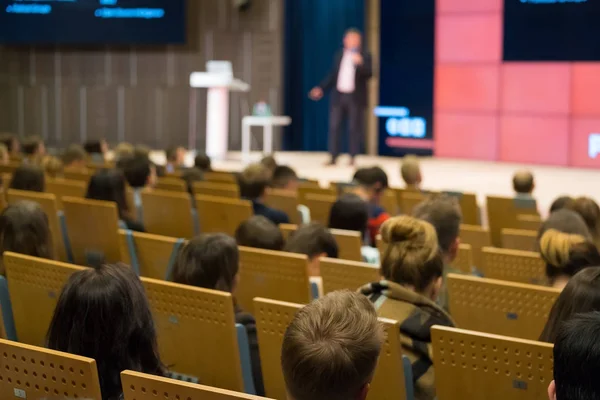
{"points": [[244, 349]]}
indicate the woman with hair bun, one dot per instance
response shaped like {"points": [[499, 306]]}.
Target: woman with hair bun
{"points": [[565, 255], [412, 267]]}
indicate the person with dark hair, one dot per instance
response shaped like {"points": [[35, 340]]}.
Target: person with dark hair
{"points": [[565, 221], [560, 203], [565, 255], [254, 181], [372, 183], [580, 295], [412, 268], [285, 178], [140, 173], [74, 157], [109, 185], [269, 162], [34, 148], [24, 229], [175, 159], [28, 177], [577, 360], [444, 214], [350, 213], [212, 262], [202, 162], [11, 142], [96, 149], [260, 233], [315, 241], [590, 212], [104, 314], [523, 184]]}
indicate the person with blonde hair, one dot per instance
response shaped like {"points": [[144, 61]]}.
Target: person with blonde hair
{"points": [[123, 151], [254, 181], [565, 255], [53, 166], [74, 157], [412, 268], [523, 184], [331, 348], [411, 172]]}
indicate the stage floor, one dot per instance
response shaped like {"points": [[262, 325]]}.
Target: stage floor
{"points": [[480, 177]]}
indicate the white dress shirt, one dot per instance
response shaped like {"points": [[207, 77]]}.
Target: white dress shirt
{"points": [[347, 74]]}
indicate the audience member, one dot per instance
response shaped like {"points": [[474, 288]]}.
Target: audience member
{"points": [[212, 262], [565, 255], [269, 162], [580, 295], [523, 184], [285, 178], [28, 177], [565, 221], [411, 172], [4, 156], [103, 314], [444, 214], [109, 185], [24, 229], [350, 213], [34, 148], [53, 166], [577, 360], [11, 142], [259, 232], [140, 173], [560, 203], [124, 150], [331, 348], [590, 212], [202, 162], [175, 159], [315, 241], [254, 181], [412, 268], [372, 183], [74, 157], [97, 150], [141, 150]]}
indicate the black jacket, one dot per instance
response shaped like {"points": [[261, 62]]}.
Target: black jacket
{"points": [[276, 216], [249, 323], [363, 73]]}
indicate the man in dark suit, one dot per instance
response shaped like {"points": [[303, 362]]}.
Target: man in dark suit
{"points": [[348, 81]]}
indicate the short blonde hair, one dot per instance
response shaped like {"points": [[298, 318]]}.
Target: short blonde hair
{"points": [[124, 150], [330, 349], [254, 180], [53, 166], [411, 170], [523, 182]]}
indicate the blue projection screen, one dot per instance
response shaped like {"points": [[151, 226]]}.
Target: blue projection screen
{"points": [[92, 21]]}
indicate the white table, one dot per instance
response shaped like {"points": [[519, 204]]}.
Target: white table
{"points": [[267, 123]]}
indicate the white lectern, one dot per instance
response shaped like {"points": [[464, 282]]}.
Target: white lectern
{"points": [[219, 81]]}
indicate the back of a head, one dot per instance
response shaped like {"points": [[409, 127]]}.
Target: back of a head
{"points": [[142, 150], [137, 170], [53, 166], [254, 180], [208, 261], [95, 146], [8, 139], [566, 221], [350, 213], [202, 162], [577, 359], [282, 176], [103, 314], [24, 229], [259, 232], [412, 256], [411, 170], [171, 154], [74, 154], [523, 182], [331, 347], [313, 240], [31, 145], [566, 254], [581, 295], [269, 162], [589, 211], [373, 177], [28, 177], [560, 203], [108, 185], [124, 150], [444, 213]]}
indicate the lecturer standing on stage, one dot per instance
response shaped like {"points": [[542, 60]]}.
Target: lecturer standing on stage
{"points": [[348, 81]]}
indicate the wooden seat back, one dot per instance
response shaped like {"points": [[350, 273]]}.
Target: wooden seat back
{"points": [[468, 207], [500, 307], [519, 239], [319, 206], [65, 188], [529, 222], [168, 213], [221, 214], [229, 190], [409, 200], [464, 259], [93, 228], [220, 177], [349, 244], [514, 266], [285, 201], [478, 237], [171, 184], [344, 274], [502, 213], [154, 253], [475, 365]]}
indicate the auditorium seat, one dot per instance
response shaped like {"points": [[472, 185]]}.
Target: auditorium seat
{"points": [[139, 386], [306, 189], [197, 336], [34, 286], [502, 213], [349, 244], [151, 256], [500, 307], [478, 237], [285, 201], [272, 319], [345, 274], [230, 190], [168, 213], [10, 167], [171, 184], [272, 274], [519, 239], [475, 365], [92, 228], [287, 230], [38, 373], [79, 175], [409, 200], [529, 222], [464, 259], [389, 202], [319, 206], [220, 176], [468, 207], [65, 188], [47, 202], [514, 266], [222, 214]]}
